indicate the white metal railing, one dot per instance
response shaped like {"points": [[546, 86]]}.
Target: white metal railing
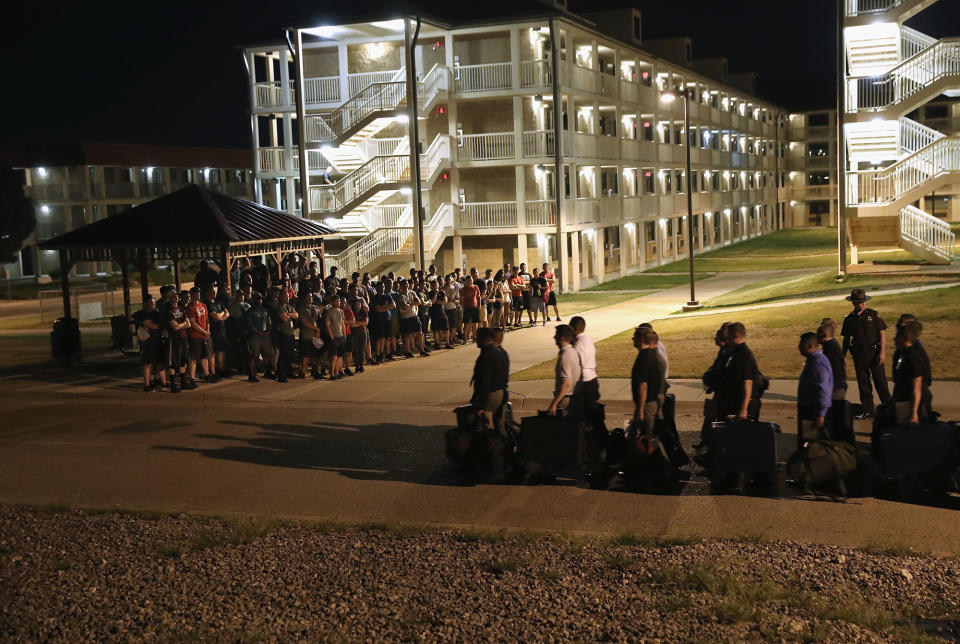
{"points": [[270, 94], [374, 98], [484, 147], [436, 156], [875, 93], [376, 171], [325, 89], [913, 137], [536, 73], [584, 78], [884, 185], [435, 230], [488, 214], [870, 7], [928, 231], [382, 147], [912, 42], [483, 77], [384, 216], [359, 255], [434, 82], [586, 210], [538, 143], [540, 212], [274, 159], [358, 82]]}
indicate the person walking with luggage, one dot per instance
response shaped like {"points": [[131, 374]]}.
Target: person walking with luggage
{"points": [[864, 336], [840, 421], [814, 390], [646, 382], [911, 376], [662, 350], [491, 374], [739, 377], [588, 389], [567, 371]]}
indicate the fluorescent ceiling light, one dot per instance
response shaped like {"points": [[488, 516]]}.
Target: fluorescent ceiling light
{"points": [[327, 31]]}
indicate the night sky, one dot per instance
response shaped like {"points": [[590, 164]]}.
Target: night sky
{"points": [[172, 73]]}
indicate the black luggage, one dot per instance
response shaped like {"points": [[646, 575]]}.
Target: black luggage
{"points": [[916, 450], [65, 339], [744, 447], [552, 441], [667, 431], [841, 422], [822, 462], [646, 465], [481, 453], [120, 333]]}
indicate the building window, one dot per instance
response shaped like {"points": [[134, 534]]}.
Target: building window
{"points": [[818, 149], [608, 182], [715, 181], [816, 212], [649, 185], [646, 129], [678, 175], [695, 181], [667, 178]]}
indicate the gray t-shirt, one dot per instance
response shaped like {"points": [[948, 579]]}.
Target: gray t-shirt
{"points": [[452, 291], [568, 366], [308, 314], [334, 316]]}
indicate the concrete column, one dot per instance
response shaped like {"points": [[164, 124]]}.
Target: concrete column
{"points": [[724, 219], [702, 224], [640, 246], [660, 233], [343, 71], [599, 236], [521, 197], [854, 255], [676, 235], [624, 249], [517, 125], [515, 58], [585, 253], [522, 249], [574, 261], [563, 263], [457, 252]]}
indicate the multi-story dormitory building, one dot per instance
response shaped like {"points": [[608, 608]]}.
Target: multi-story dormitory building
{"points": [[894, 163], [74, 185], [487, 98]]}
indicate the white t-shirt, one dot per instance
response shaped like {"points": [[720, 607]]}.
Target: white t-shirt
{"points": [[666, 363], [588, 356], [409, 305], [452, 291], [568, 366]]}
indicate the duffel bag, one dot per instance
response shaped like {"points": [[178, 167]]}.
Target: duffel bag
{"points": [[821, 462]]}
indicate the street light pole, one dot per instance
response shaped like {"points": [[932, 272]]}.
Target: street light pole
{"points": [[669, 97]]}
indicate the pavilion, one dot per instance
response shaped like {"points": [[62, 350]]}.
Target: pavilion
{"points": [[191, 223]]}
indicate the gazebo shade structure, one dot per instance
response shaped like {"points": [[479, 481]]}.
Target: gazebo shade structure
{"points": [[191, 223]]}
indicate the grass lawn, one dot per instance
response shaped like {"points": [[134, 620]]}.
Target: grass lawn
{"points": [[587, 300], [647, 282], [825, 283], [772, 335], [783, 250], [19, 352], [34, 322]]}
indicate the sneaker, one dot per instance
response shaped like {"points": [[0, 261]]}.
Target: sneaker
{"points": [[360, 369], [190, 384], [346, 371], [544, 323], [863, 416], [391, 358], [253, 379], [558, 319], [269, 375], [448, 346], [424, 354], [340, 377], [548, 319], [148, 389], [316, 375], [407, 355], [332, 377], [282, 379], [174, 388], [301, 375]]}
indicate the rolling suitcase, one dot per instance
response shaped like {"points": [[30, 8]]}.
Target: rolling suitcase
{"points": [[553, 441], [744, 447], [667, 431], [915, 450]]}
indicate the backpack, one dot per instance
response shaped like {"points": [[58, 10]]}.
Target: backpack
{"points": [[822, 462]]}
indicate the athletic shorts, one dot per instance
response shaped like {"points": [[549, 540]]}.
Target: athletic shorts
{"points": [[536, 303], [150, 350], [177, 352], [219, 342], [380, 326], [471, 316], [452, 318], [394, 325], [439, 322], [259, 344], [552, 299], [335, 347], [518, 304], [410, 325], [526, 300], [306, 348], [199, 348]]}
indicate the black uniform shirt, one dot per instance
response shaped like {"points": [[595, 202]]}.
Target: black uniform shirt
{"points": [[646, 369], [739, 367], [864, 331], [491, 372], [831, 349], [909, 364]]}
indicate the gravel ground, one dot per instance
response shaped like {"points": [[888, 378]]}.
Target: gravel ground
{"points": [[72, 575]]}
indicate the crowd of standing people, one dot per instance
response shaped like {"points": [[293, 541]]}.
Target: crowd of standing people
{"points": [[290, 322]]}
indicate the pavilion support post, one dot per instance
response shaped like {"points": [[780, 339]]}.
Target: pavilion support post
{"points": [[65, 283], [125, 276], [322, 258], [176, 271], [225, 259], [144, 276]]}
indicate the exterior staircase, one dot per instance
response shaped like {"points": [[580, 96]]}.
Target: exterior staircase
{"points": [[892, 70]]}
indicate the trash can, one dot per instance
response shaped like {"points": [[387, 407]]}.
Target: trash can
{"points": [[65, 340], [120, 333]]}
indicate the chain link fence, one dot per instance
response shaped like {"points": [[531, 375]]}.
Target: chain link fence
{"points": [[87, 303]]}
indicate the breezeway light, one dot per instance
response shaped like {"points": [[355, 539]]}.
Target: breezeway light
{"points": [[42, 172], [390, 25], [325, 31], [45, 209]]}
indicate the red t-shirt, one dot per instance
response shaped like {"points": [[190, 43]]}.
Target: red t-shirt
{"points": [[348, 317], [470, 297], [549, 277], [516, 284], [197, 313]]}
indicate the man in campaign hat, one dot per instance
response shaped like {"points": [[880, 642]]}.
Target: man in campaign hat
{"points": [[864, 336]]}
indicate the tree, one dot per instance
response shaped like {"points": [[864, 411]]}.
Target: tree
{"points": [[17, 215]]}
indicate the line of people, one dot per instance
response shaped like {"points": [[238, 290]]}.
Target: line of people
{"points": [[300, 325]]}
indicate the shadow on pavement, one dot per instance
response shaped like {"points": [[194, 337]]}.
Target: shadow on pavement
{"points": [[381, 451]]}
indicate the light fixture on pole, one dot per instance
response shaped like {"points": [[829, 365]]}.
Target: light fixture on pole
{"points": [[669, 97]]}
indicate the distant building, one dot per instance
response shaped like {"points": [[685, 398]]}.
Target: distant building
{"points": [[74, 185]]}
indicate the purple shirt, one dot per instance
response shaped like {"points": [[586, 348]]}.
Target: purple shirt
{"points": [[815, 389]]}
